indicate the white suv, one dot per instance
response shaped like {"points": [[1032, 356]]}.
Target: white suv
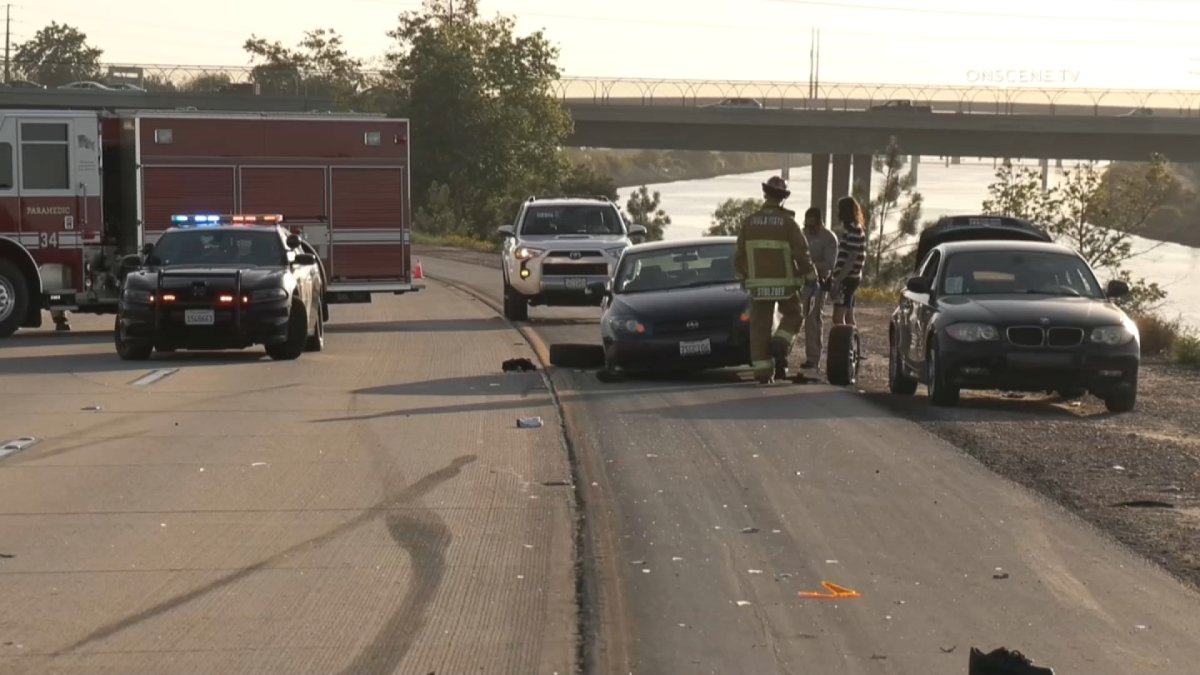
{"points": [[557, 247]]}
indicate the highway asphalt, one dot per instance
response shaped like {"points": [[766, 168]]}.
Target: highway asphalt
{"points": [[713, 503], [375, 509]]}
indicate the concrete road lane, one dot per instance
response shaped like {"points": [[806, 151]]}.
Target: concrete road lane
{"points": [[369, 509], [713, 503]]}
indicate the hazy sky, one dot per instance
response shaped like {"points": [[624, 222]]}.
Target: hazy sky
{"points": [[1099, 44]]}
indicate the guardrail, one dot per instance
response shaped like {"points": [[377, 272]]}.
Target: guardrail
{"points": [[650, 91]]}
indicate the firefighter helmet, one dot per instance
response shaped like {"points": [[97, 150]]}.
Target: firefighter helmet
{"points": [[776, 187]]}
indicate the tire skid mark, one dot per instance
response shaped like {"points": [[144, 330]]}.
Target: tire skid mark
{"points": [[415, 600]]}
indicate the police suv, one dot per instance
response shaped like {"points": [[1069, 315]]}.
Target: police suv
{"points": [[557, 247], [223, 282]]}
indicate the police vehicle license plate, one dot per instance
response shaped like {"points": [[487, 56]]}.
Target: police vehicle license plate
{"points": [[695, 348], [198, 317], [576, 283]]}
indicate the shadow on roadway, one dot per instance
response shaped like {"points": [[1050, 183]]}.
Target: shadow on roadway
{"points": [[977, 408], [422, 326], [100, 363], [776, 402], [49, 339], [511, 384]]}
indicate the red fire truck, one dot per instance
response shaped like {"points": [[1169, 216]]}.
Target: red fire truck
{"points": [[82, 192]]}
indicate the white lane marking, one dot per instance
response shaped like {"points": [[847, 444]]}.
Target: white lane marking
{"points": [[154, 376], [15, 445]]}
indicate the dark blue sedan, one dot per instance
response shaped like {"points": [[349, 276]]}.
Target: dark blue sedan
{"points": [[676, 305]]}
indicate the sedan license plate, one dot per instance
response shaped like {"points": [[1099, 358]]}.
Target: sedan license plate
{"points": [[695, 348], [576, 283], [198, 317], [1037, 361]]}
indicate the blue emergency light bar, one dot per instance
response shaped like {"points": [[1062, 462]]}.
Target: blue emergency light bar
{"points": [[209, 220]]}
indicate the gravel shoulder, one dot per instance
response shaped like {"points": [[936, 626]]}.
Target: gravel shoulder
{"points": [[1135, 476]]}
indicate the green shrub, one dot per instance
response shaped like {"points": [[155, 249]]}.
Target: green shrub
{"points": [[875, 294], [1157, 334], [1186, 350], [456, 241]]}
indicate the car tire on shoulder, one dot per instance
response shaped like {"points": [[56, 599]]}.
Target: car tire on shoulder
{"points": [[516, 306], [297, 335], [126, 350], [941, 394], [1123, 401], [899, 382], [569, 355], [841, 362]]}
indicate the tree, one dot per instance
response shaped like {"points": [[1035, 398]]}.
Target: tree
{"points": [[583, 180], [896, 187], [485, 121], [57, 54], [730, 214], [319, 66], [1095, 214], [645, 209], [206, 83]]}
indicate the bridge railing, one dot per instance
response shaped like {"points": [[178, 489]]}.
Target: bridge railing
{"points": [[672, 92]]}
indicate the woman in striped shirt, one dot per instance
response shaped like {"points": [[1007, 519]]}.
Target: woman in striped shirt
{"points": [[852, 255]]}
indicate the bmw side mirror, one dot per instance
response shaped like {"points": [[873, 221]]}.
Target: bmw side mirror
{"points": [[506, 231], [917, 285], [306, 259], [1117, 289], [147, 249], [293, 241], [637, 233]]}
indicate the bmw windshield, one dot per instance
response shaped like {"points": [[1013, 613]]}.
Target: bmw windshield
{"points": [[1019, 272], [672, 268], [220, 247]]}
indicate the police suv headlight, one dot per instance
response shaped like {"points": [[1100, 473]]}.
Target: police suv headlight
{"points": [[525, 253], [134, 295], [268, 294], [1113, 335], [622, 324], [973, 332]]}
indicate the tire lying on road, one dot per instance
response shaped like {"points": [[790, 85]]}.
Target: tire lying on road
{"points": [[569, 355]]}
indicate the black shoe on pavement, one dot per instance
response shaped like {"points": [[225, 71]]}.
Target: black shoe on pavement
{"points": [[808, 365], [1003, 662], [62, 327]]}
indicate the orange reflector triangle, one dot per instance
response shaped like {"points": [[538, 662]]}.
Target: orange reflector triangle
{"points": [[835, 592]]}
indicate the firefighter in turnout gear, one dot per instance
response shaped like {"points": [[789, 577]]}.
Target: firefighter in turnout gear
{"points": [[774, 265]]}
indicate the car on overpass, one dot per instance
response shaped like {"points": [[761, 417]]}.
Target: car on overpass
{"points": [[223, 282], [743, 103], [87, 84], [995, 304], [557, 247], [900, 106], [675, 305]]}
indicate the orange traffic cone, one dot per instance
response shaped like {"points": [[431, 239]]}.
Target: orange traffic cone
{"points": [[418, 271]]}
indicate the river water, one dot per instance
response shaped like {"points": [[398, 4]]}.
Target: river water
{"points": [[947, 189]]}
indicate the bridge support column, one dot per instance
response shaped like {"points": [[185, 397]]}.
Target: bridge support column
{"points": [[914, 163], [1045, 164], [841, 182], [1058, 163], [820, 181], [786, 170], [956, 160], [862, 181]]}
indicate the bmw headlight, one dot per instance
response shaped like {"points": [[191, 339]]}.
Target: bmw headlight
{"points": [[1113, 335], [622, 324], [134, 295], [973, 332], [268, 294], [525, 253]]}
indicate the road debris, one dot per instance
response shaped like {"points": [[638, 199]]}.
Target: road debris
{"points": [[520, 365], [92, 408], [749, 530], [1144, 504], [834, 592], [676, 559], [1118, 467], [948, 650], [743, 603], [258, 464], [7, 556], [638, 562], [645, 570], [529, 422], [831, 562], [754, 571]]}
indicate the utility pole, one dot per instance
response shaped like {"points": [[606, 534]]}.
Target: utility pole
{"points": [[7, 41], [817, 73]]}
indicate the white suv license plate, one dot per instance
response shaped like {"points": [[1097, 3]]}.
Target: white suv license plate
{"points": [[695, 348], [576, 283], [198, 317]]}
